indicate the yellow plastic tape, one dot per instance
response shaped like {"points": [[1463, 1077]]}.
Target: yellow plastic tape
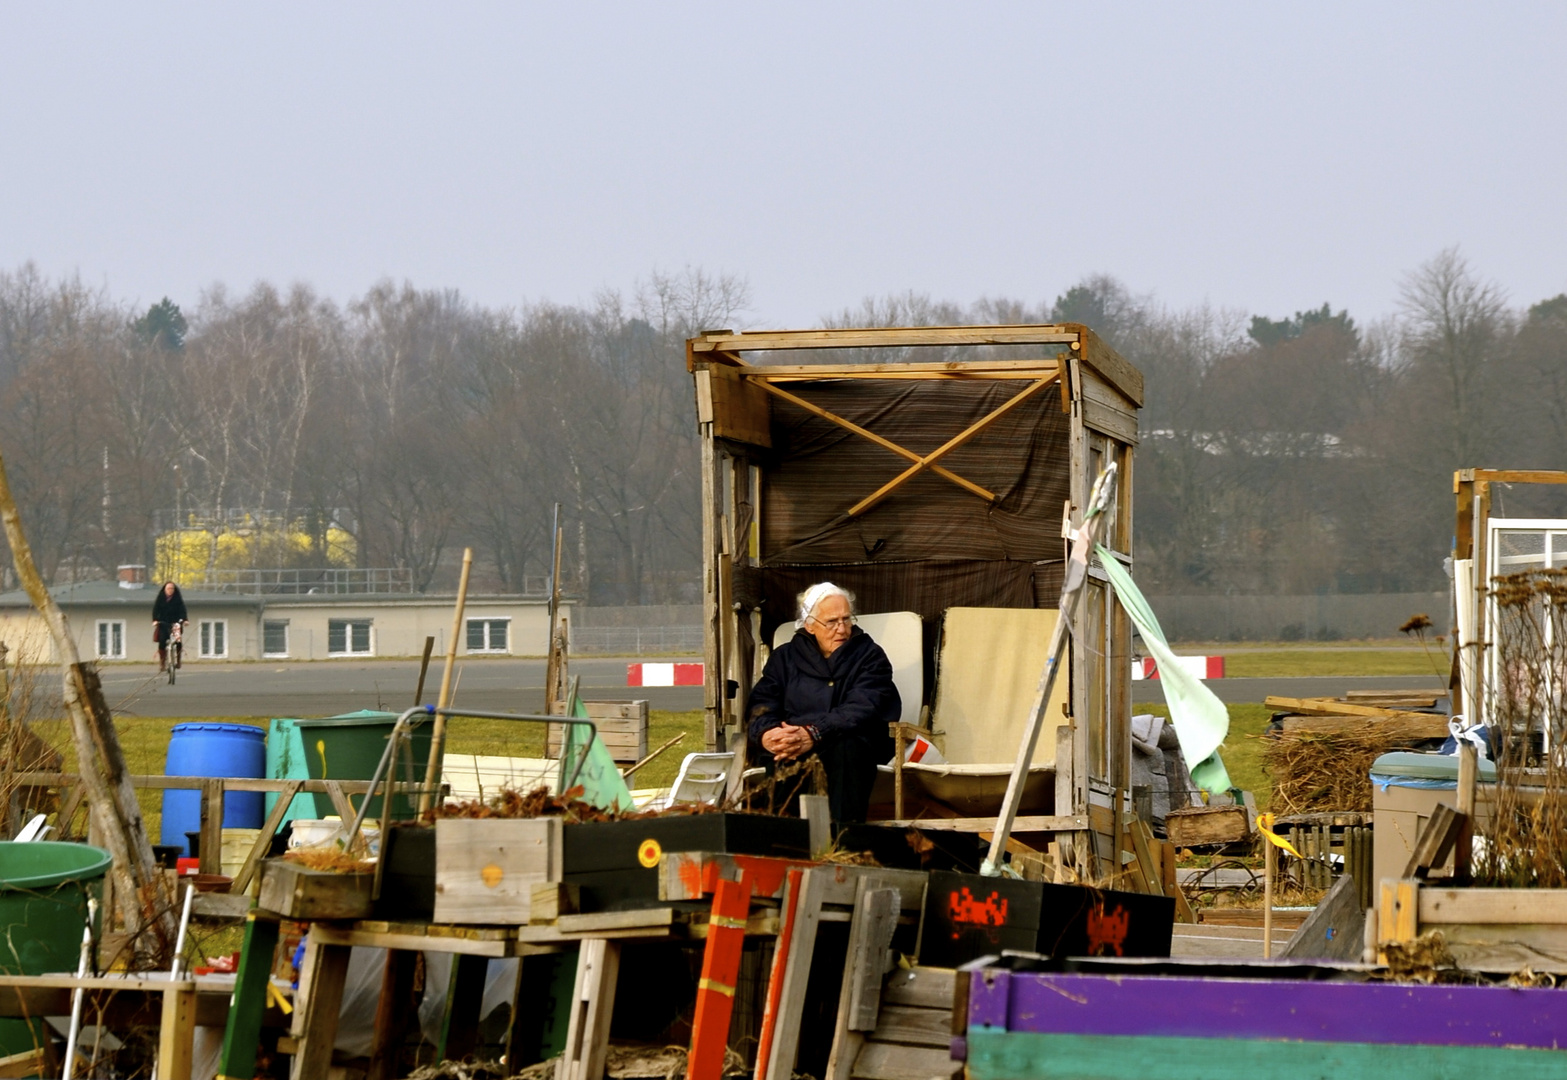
{"points": [[275, 996], [1265, 826]]}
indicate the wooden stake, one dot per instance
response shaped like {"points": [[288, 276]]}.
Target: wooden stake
{"points": [[432, 772], [142, 895], [1269, 861], [424, 669], [715, 995]]}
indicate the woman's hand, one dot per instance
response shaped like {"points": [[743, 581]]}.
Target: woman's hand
{"points": [[787, 742]]}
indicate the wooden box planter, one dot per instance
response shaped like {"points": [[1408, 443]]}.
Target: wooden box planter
{"points": [[1492, 930], [486, 868], [615, 863], [297, 892], [622, 726]]}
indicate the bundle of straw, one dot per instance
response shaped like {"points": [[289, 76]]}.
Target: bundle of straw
{"points": [[1326, 770]]}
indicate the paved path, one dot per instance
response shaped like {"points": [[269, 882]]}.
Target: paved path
{"points": [[323, 688], [215, 688]]}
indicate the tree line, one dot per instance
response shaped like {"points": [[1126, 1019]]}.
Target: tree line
{"points": [[1298, 454]]}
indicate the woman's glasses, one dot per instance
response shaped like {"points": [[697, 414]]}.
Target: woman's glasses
{"points": [[836, 624]]}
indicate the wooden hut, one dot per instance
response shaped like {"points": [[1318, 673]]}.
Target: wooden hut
{"points": [[926, 469]]}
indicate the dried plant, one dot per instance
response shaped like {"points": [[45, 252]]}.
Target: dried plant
{"points": [[1328, 770], [1525, 840]]}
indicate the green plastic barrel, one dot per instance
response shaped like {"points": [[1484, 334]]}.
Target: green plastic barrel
{"points": [[44, 887], [349, 747]]}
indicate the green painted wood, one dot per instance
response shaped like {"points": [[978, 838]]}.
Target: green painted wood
{"points": [[248, 1006], [1002, 1055]]}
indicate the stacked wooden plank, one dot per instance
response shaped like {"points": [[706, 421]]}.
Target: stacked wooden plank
{"points": [[1320, 758]]}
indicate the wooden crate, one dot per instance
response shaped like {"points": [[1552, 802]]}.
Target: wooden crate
{"points": [[622, 725], [1495, 930], [297, 892], [486, 868]]}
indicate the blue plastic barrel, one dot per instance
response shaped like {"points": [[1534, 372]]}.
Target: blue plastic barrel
{"points": [[228, 750]]}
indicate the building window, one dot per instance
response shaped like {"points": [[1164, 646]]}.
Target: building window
{"points": [[213, 639], [348, 637], [488, 635], [111, 640], [274, 637]]}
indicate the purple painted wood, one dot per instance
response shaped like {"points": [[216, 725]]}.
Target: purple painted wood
{"points": [[988, 997], [1266, 1009]]}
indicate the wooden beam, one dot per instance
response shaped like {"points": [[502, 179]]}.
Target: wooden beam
{"points": [[957, 369], [258, 850], [886, 444], [892, 337], [947, 447], [1435, 842], [1329, 707], [1056, 823], [1519, 476]]}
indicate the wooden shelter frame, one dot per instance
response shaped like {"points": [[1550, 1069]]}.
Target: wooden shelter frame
{"points": [[1471, 540], [1099, 390]]}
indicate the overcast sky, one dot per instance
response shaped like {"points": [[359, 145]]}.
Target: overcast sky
{"points": [[1265, 157]]}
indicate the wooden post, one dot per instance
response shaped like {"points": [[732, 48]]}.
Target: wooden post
{"points": [[786, 989], [814, 809], [592, 1002], [554, 677], [715, 995], [460, 1024], [317, 1004], [394, 1012], [432, 771], [212, 825], [1468, 778], [177, 1032], [1269, 861], [424, 669], [142, 895], [897, 771]]}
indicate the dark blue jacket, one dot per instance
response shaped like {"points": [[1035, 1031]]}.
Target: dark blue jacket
{"points": [[849, 693]]}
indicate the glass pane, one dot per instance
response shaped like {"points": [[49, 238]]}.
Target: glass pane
{"points": [[206, 639], [336, 636], [103, 639], [274, 638], [475, 635], [117, 639], [498, 634], [219, 646], [361, 637]]}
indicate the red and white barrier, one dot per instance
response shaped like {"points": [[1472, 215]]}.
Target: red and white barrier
{"points": [[663, 674], [1204, 667]]}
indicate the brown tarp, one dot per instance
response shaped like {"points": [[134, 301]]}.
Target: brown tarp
{"points": [[817, 470], [930, 545]]}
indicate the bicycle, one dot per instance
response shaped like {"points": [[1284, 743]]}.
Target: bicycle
{"points": [[174, 649]]}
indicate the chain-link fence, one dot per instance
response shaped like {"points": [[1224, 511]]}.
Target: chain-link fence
{"points": [[636, 640]]}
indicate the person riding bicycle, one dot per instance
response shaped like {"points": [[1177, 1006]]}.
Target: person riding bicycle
{"points": [[167, 611]]}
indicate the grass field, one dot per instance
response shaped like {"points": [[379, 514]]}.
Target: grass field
{"points": [[1242, 749], [145, 741], [1300, 663]]}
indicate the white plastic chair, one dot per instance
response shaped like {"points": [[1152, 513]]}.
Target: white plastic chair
{"points": [[33, 830], [702, 778]]}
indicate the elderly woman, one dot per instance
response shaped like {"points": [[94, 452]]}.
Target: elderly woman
{"points": [[828, 691]]}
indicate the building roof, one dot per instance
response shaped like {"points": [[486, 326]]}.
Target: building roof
{"points": [[111, 594]]}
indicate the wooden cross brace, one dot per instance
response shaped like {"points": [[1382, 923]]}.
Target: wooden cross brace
{"points": [[920, 462]]}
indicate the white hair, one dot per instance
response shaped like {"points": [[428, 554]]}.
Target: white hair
{"points": [[812, 597]]}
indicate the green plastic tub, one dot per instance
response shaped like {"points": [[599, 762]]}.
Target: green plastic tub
{"points": [[44, 888], [349, 747]]}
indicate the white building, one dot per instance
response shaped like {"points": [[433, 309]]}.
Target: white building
{"points": [[114, 622]]}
